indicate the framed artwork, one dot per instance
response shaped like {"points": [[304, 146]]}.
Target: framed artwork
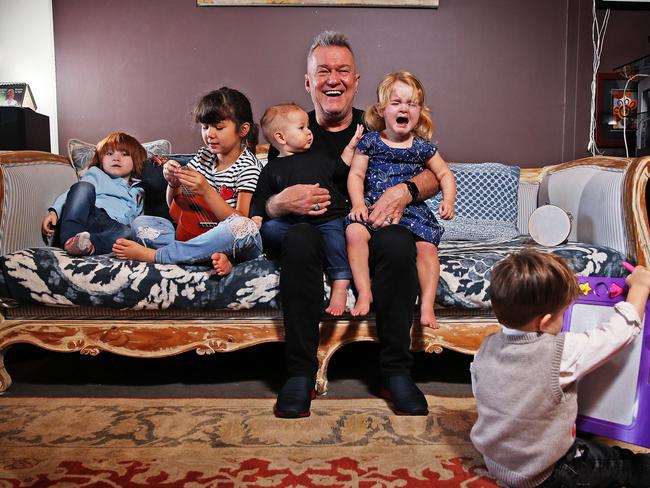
{"points": [[320, 3], [615, 109]]}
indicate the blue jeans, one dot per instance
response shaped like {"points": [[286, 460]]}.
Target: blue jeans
{"points": [[236, 236], [80, 214], [589, 464], [331, 232]]}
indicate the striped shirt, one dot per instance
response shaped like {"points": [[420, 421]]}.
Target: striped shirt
{"points": [[242, 175]]}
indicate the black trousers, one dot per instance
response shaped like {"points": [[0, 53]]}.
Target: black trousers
{"points": [[594, 465], [394, 288]]}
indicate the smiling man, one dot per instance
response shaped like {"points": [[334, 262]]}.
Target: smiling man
{"points": [[332, 81]]}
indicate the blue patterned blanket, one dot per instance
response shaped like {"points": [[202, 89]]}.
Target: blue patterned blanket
{"points": [[465, 266], [50, 276]]}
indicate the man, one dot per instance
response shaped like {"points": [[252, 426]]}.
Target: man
{"points": [[332, 82]]}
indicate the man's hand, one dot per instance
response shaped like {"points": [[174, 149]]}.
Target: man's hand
{"points": [[49, 224], [390, 206], [299, 200]]}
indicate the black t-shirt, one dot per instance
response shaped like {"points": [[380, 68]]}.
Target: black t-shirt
{"points": [[302, 168]]}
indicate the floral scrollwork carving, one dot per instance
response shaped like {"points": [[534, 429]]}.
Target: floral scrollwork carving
{"points": [[89, 351], [430, 346], [204, 350], [210, 347], [75, 345], [219, 345]]}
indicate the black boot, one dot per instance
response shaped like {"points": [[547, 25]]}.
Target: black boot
{"points": [[405, 395], [295, 398]]}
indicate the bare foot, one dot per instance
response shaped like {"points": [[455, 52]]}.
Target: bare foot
{"points": [[362, 307], [428, 318], [338, 297], [221, 263], [126, 249]]}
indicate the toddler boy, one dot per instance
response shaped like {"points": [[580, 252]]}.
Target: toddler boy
{"points": [[524, 379], [286, 127]]}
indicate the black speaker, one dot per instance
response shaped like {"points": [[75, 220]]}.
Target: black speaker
{"points": [[23, 129]]}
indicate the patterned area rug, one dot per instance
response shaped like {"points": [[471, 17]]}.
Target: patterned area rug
{"points": [[235, 443]]}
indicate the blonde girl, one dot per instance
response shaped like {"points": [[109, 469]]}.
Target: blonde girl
{"points": [[398, 147]]}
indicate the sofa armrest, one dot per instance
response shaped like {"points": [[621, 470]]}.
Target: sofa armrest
{"points": [[636, 205], [29, 183], [605, 197]]}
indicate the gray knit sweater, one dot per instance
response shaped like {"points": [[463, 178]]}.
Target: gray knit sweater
{"points": [[525, 421]]}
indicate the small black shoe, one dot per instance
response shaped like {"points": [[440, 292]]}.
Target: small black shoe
{"points": [[405, 395], [295, 398]]}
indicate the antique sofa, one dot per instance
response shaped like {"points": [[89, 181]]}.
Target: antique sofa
{"points": [[99, 303]]}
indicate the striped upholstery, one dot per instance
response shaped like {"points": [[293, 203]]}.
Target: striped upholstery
{"points": [[593, 196], [526, 204], [28, 189]]}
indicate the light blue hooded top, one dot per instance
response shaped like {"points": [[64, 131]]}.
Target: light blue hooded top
{"points": [[123, 201]]}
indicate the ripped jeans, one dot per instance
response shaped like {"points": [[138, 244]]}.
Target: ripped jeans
{"points": [[236, 236], [80, 214]]}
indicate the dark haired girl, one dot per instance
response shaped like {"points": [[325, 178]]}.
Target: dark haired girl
{"points": [[216, 186]]}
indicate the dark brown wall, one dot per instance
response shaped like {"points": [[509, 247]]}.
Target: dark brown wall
{"points": [[507, 80]]}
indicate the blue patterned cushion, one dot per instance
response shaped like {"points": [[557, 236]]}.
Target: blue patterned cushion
{"points": [[465, 267], [486, 202], [50, 276]]}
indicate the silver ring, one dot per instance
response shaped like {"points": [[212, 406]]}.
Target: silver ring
{"points": [[315, 207], [389, 220]]}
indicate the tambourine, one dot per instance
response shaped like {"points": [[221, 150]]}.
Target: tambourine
{"points": [[549, 225]]}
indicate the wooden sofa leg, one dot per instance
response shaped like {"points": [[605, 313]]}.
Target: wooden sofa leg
{"points": [[5, 379], [324, 355]]}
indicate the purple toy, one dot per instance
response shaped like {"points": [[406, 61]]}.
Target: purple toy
{"points": [[614, 399]]}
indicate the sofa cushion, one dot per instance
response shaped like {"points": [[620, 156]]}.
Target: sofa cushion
{"points": [[50, 276], [465, 266], [104, 281], [486, 202]]}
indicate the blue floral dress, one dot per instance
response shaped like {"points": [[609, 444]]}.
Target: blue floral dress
{"points": [[388, 166]]}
